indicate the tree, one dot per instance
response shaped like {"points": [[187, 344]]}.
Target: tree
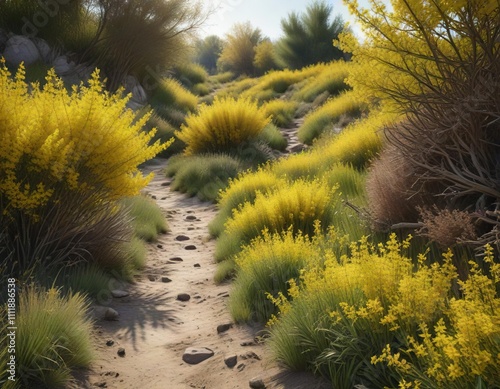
{"points": [[308, 37], [239, 51], [208, 51], [140, 37]]}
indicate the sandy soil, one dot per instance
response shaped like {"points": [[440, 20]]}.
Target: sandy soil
{"points": [[154, 328]]}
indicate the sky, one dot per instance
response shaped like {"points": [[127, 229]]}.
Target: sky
{"points": [[264, 14]]}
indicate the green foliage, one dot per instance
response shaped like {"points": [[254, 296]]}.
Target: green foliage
{"points": [[281, 111], [190, 73], [203, 175], [172, 94], [54, 337], [208, 51], [334, 114], [308, 37], [239, 50], [272, 136], [223, 126], [165, 132], [147, 218], [265, 267], [222, 78]]}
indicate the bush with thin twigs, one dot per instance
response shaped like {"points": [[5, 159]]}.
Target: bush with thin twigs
{"points": [[282, 112], [203, 175], [273, 137], [223, 126], [54, 338], [335, 111]]}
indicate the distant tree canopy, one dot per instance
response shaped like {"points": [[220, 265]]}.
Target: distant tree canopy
{"points": [[207, 52], [239, 51], [265, 58], [308, 37]]}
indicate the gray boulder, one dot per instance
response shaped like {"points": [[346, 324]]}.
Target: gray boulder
{"points": [[21, 49]]}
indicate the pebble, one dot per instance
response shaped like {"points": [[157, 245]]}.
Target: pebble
{"points": [[197, 265], [195, 355], [110, 342], [257, 383], [223, 328], [165, 280], [183, 297], [121, 352], [190, 217], [160, 246], [119, 293], [110, 314], [231, 361], [151, 278], [176, 259], [190, 247], [181, 238]]}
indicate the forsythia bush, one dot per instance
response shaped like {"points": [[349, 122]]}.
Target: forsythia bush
{"points": [[53, 141], [223, 126]]}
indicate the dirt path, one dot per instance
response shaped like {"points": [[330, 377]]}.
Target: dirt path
{"points": [[155, 328]]}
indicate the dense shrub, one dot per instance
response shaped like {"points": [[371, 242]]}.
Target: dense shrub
{"points": [[265, 58], [53, 339], [225, 125], [147, 220], [273, 137], [171, 93], [191, 73]]}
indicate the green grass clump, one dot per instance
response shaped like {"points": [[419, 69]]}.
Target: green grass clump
{"points": [[351, 182], [147, 219], [172, 94], [328, 116], [273, 137], [53, 338], [165, 131], [222, 78], [297, 206], [265, 267], [200, 89], [191, 73], [223, 126], [203, 175], [282, 112]]}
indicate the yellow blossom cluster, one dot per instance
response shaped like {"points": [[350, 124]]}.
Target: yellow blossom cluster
{"points": [[54, 140]]}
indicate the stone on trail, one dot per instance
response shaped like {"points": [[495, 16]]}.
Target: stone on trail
{"points": [[181, 238], [223, 327], [165, 280], [231, 361], [190, 247], [195, 355], [110, 342], [183, 297], [257, 383], [121, 352], [190, 217], [119, 293], [110, 314]]}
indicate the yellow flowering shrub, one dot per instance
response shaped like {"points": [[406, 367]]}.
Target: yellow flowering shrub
{"points": [[297, 205], [225, 125], [171, 93], [53, 140], [402, 318]]}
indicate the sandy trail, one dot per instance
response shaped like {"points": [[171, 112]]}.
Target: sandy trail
{"points": [[155, 328]]}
